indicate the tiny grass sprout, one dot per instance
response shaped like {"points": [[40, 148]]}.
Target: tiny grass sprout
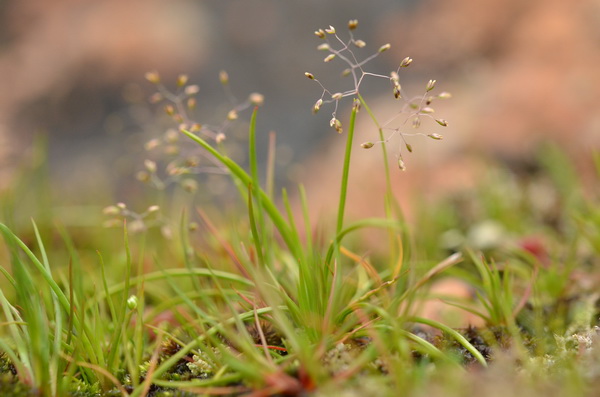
{"points": [[413, 109]]}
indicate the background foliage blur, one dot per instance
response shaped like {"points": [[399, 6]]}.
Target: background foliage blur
{"points": [[522, 74]]}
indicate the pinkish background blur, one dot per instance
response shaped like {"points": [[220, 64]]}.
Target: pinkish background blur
{"points": [[521, 72]]}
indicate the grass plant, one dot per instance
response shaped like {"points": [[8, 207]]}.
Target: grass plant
{"points": [[264, 303]]}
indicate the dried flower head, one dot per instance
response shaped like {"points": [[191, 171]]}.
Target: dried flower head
{"points": [[152, 144], [191, 89], [150, 166], [430, 85], [182, 79], [405, 62], [352, 24], [401, 164], [232, 115], [256, 99], [153, 77], [224, 77], [156, 97], [385, 47], [170, 110]]}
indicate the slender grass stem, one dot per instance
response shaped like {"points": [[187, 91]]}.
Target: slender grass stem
{"points": [[346, 171]]}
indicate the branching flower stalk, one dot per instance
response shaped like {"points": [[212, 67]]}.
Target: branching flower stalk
{"points": [[414, 109], [178, 104]]}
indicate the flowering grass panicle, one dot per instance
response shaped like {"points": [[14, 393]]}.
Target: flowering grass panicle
{"points": [[412, 109]]}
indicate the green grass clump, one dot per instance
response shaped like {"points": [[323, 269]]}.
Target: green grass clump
{"points": [[254, 300]]}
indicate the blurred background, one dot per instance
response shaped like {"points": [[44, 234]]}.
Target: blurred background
{"points": [[522, 74]]}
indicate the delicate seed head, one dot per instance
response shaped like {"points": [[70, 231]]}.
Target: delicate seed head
{"points": [[394, 77], [427, 110], [232, 115], [132, 302], [150, 166], [320, 33], [153, 77], [442, 122], [309, 75], [413, 105], [329, 58], [256, 99], [445, 95], [152, 144], [171, 136], [111, 210], [397, 92], [224, 77], [346, 72], [409, 147], [196, 127], [360, 43], [182, 79], [156, 98], [335, 123], [171, 150], [142, 176], [429, 100], [183, 127], [401, 164], [191, 103], [356, 105], [153, 208], [192, 161], [323, 47], [437, 137], [430, 85], [385, 47], [178, 118], [191, 89], [121, 206], [352, 24], [337, 96], [170, 110], [193, 226], [416, 123], [405, 62], [220, 137], [317, 106], [189, 185], [367, 145], [330, 30]]}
